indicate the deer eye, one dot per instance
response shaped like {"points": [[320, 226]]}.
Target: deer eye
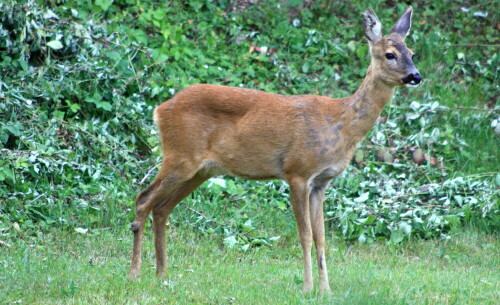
{"points": [[390, 56]]}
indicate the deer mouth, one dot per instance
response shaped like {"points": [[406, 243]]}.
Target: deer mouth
{"points": [[413, 80], [412, 85]]}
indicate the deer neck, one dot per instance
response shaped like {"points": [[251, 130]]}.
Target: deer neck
{"points": [[366, 104]]}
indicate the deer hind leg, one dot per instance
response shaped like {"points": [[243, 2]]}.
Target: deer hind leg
{"points": [[161, 213], [318, 230], [166, 183], [300, 202]]}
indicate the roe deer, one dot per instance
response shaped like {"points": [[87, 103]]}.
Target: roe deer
{"points": [[209, 130]]}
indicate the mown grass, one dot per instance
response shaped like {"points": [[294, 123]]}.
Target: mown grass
{"points": [[75, 269]]}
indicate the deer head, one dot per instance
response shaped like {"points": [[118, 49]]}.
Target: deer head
{"points": [[391, 59]]}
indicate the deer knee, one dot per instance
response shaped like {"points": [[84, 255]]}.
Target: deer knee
{"points": [[144, 195], [321, 262], [135, 226]]}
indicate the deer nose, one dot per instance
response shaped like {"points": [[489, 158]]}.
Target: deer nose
{"points": [[412, 79]]}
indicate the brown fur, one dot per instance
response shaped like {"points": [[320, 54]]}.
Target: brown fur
{"points": [[307, 140]]}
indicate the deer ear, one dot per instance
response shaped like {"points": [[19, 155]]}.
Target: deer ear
{"points": [[402, 26], [373, 27]]}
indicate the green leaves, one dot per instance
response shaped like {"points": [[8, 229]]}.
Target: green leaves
{"points": [[13, 128], [390, 206], [362, 198], [397, 236], [231, 241], [80, 80], [411, 197], [305, 67], [6, 173], [104, 4], [55, 44], [100, 104]]}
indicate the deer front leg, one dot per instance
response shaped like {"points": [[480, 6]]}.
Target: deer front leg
{"points": [[318, 230], [137, 228], [161, 213], [300, 203], [156, 192]]}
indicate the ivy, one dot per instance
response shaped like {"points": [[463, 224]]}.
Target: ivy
{"points": [[80, 80]]}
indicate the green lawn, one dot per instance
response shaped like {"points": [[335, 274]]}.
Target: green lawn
{"points": [[66, 268]]}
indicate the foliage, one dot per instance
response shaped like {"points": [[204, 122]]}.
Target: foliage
{"points": [[80, 80], [406, 197]]}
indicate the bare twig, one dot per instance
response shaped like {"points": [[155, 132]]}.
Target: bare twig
{"points": [[376, 215], [203, 215], [140, 73], [149, 173], [449, 108], [242, 234], [475, 45], [480, 175], [2, 243], [124, 46], [332, 218]]}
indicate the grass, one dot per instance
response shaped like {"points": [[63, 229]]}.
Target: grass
{"points": [[76, 269]]}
